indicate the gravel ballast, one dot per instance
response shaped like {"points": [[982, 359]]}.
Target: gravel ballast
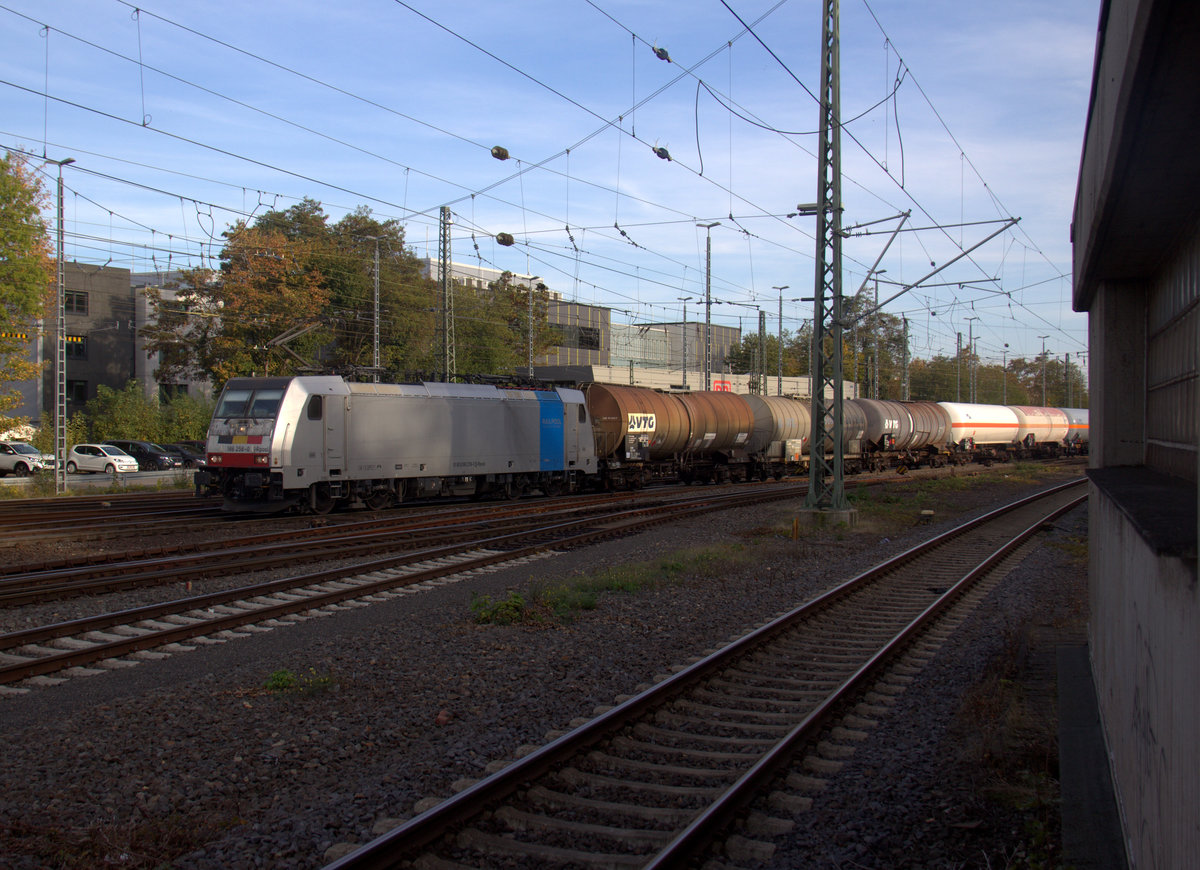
{"points": [[189, 761]]}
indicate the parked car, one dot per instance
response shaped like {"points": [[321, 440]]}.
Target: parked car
{"points": [[149, 456], [99, 457], [22, 459], [187, 455]]}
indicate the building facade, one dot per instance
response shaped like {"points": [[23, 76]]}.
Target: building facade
{"points": [[1136, 236]]}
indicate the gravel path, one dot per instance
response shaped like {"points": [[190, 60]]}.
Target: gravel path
{"points": [[190, 762]]}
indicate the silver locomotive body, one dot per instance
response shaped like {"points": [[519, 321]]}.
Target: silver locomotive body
{"points": [[318, 441]]}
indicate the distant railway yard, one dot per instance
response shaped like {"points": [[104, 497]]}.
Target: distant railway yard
{"points": [[678, 674]]}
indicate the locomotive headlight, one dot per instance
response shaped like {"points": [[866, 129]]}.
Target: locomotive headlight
{"points": [[214, 459], [262, 459]]}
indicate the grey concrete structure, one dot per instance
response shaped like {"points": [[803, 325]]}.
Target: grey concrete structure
{"points": [[1136, 235], [168, 284], [100, 327]]}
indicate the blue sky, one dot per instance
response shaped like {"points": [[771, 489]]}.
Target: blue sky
{"points": [[184, 117]]}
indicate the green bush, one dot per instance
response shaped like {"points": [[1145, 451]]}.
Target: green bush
{"points": [[506, 612]]}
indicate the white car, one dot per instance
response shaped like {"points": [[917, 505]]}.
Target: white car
{"points": [[99, 457], [21, 459]]}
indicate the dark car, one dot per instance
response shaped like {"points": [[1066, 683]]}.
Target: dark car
{"points": [[149, 456], [187, 455]]}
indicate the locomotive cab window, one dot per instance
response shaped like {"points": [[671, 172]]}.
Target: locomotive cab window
{"points": [[582, 414], [234, 403], [315, 406]]}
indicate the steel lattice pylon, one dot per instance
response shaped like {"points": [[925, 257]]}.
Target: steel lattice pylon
{"points": [[826, 489], [449, 364]]}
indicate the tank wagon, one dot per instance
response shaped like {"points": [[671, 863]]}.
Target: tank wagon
{"points": [[320, 441], [313, 443], [644, 435]]}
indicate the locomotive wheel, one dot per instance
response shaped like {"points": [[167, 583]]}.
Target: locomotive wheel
{"points": [[320, 500], [378, 500]]}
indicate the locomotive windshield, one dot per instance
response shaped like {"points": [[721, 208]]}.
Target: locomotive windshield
{"points": [[262, 403]]}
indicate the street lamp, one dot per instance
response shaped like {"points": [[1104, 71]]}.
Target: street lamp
{"points": [[60, 355], [779, 376], [685, 300], [708, 302]]}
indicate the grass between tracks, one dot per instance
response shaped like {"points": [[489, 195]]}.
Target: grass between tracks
{"points": [[560, 600], [882, 510]]}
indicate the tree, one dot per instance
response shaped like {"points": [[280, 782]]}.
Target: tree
{"points": [[492, 327], [26, 276]]}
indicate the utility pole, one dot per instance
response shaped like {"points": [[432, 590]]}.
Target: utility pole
{"points": [[1004, 374], [60, 354], [1067, 379], [1043, 338], [971, 357], [684, 300], [448, 361], [533, 280], [875, 322], [375, 361], [826, 481], [762, 352], [958, 367], [779, 376], [904, 357], [708, 302]]}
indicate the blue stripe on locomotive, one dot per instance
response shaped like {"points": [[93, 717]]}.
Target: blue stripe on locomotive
{"points": [[552, 451]]}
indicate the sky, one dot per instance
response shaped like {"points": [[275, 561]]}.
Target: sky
{"points": [[183, 118]]}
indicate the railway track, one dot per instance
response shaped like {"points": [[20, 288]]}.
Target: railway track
{"points": [[28, 521], [60, 578], [214, 617], [659, 779]]}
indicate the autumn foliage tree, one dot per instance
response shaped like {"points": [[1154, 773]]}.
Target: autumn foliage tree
{"points": [[26, 276]]}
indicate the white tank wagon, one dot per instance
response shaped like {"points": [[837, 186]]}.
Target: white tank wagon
{"points": [[1041, 425], [1077, 425], [319, 441], [981, 424]]}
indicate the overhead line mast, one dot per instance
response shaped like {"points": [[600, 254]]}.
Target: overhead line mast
{"points": [[826, 490]]}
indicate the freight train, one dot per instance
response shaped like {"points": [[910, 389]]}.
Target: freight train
{"points": [[312, 443]]}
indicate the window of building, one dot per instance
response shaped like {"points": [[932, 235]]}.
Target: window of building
{"points": [[75, 302], [582, 337], [77, 391], [77, 347]]}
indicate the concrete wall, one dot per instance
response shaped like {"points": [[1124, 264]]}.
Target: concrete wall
{"points": [[1145, 643], [1136, 235]]}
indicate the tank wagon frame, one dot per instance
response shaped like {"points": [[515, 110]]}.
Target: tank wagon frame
{"points": [[316, 442]]}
